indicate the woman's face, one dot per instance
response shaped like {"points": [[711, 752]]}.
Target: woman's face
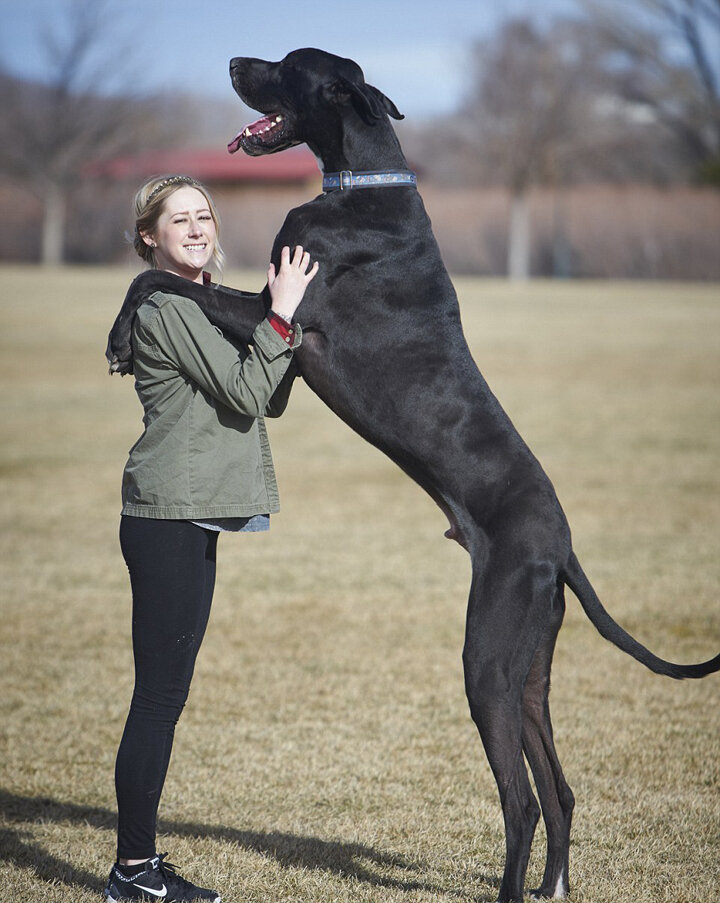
{"points": [[185, 234]]}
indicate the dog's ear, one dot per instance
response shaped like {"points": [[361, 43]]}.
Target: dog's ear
{"points": [[367, 100], [386, 103]]}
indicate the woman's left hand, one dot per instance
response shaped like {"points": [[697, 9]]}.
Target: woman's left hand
{"points": [[287, 287]]}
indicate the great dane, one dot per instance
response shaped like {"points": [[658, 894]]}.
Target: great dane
{"points": [[384, 348]]}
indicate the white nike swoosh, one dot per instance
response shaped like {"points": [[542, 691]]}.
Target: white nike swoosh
{"points": [[149, 890]]}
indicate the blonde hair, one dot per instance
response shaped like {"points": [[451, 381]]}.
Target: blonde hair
{"points": [[149, 205]]}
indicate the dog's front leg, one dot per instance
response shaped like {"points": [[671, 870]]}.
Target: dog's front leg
{"points": [[236, 313]]}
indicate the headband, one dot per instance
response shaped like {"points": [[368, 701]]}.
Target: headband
{"points": [[173, 180]]}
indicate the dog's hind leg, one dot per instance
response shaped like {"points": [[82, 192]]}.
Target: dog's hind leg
{"points": [[509, 606], [556, 798]]}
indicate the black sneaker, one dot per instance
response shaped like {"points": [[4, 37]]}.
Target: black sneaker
{"points": [[157, 880]]}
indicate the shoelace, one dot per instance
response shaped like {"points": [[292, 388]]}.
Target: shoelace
{"points": [[170, 872]]}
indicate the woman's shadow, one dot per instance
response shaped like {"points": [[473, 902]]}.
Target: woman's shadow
{"points": [[353, 860]]}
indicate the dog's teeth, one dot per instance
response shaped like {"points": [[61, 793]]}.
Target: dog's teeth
{"points": [[247, 132], [278, 119]]}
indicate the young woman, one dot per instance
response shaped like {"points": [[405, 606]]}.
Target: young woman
{"points": [[201, 466]]}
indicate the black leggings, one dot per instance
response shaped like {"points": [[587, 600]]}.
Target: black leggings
{"points": [[172, 574]]}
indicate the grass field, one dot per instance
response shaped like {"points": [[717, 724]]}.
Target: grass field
{"points": [[326, 753]]}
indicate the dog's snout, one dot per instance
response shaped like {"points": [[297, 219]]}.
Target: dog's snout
{"points": [[245, 62], [239, 64]]}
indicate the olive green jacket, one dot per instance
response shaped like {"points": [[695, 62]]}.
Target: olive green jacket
{"points": [[204, 452]]}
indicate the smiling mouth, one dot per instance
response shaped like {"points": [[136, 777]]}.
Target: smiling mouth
{"points": [[199, 247], [266, 135]]}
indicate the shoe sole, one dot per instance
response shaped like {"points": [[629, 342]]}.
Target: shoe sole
{"points": [[109, 899]]}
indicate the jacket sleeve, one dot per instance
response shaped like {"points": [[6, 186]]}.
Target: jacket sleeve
{"points": [[178, 333], [280, 397]]}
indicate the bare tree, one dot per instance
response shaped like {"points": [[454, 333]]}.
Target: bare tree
{"points": [[56, 126], [667, 60], [530, 116], [565, 103]]}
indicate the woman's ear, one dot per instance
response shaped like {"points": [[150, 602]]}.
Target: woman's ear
{"points": [[148, 239]]}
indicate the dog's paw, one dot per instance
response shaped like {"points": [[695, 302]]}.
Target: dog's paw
{"points": [[117, 366], [118, 351], [119, 360], [557, 893]]}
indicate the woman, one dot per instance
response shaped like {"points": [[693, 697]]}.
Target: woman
{"points": [[201, 466]]}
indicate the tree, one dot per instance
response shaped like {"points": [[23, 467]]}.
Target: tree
{"points": [[55, 127], [529, 115], [666, 61], [592, 98]]}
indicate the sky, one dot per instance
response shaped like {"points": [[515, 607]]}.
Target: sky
{"points": [[415, 51]]}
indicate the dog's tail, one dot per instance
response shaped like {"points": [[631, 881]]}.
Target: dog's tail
{"points": [[578, 582]]}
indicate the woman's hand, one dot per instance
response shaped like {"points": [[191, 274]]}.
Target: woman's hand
{"points": [[287, 287]]}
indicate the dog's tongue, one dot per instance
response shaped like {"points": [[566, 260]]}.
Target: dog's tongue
{"points": [[234, 145], [261, 125]]}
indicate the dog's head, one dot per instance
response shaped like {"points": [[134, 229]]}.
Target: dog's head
{"points": [[307, 94]]}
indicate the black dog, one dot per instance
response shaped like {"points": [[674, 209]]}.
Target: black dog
{"points": [[384, 348]]}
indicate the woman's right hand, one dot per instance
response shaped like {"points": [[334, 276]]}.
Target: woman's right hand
{"points": [[287, 287]]}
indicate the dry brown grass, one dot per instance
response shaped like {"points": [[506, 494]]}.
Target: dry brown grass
{"points": [[326, 753]]}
